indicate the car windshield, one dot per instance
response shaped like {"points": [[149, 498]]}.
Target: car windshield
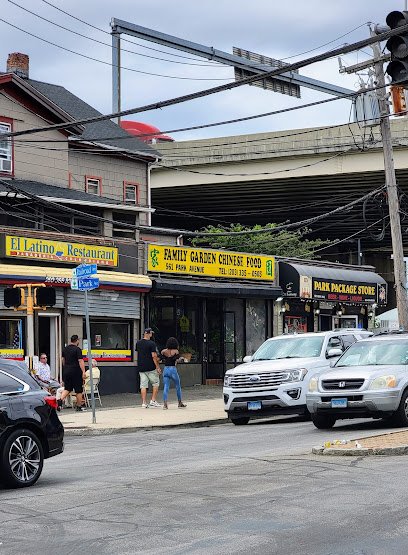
{"points": [[375, 353], [289, 347]]}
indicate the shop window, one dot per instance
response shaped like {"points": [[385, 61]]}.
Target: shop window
{"points": [[255, 324], [130, 193], [295, 324], [6, 149], [10, 334], [93, 185], [110, 340]]}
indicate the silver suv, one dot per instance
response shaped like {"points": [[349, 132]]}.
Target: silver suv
{"points": [[369, 380], [274, 380]]}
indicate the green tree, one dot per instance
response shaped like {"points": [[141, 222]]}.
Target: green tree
{"points": [[280, 243]]}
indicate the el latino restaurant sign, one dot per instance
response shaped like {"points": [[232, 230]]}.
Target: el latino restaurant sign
{"points": [[208, 262], [59, 251]]}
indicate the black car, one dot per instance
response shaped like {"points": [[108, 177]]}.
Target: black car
{"points": [[30, 430]]}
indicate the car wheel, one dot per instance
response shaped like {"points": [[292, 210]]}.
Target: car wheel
{"points": [[400, 417], [240, 421], [22, 459], [323, 421]]}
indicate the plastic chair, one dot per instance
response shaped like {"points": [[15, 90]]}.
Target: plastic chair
{"points": [[96, 375]]}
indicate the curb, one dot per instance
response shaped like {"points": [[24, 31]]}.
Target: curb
{"points": [[87, 431], [362, 452]]}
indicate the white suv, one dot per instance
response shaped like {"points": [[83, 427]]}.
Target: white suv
{"points": [[275, 379]]}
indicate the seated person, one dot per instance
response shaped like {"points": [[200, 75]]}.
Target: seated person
{"points": [[42, 370], [96, 375]]}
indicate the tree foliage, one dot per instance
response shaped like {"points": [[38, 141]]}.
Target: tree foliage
{"points": [[280, 243]]}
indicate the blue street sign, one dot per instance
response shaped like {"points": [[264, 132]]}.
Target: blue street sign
{"points": [[86, 284], [84, 270]]}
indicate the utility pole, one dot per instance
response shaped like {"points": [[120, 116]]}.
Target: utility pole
{"points": [[392, 192]]}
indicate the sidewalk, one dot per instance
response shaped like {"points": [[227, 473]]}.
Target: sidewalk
{"points": [[123, 413], [391, 443]]}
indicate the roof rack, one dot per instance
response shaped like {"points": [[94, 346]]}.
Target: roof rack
{"points": [[392, 332]]}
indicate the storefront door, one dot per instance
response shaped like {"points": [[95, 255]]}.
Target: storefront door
{"points": [[345, 322], [214, 346], [49, 340]]}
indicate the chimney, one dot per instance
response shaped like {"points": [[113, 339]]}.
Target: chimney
{"points": [[19, 64]]}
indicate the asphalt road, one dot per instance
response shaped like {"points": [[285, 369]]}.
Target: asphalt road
{"points": [[222, 489]]}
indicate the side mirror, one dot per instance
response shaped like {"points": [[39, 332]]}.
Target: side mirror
{"points": [[334, 352], [248, 358]]}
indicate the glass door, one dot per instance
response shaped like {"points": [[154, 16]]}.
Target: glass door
{"points": [[215, 339]]}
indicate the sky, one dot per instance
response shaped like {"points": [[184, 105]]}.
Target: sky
{"points": [[275, 29]]}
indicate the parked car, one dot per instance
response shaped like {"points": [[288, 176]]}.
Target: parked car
{"points": [[30, 430], [369, 380], [274, 380]]}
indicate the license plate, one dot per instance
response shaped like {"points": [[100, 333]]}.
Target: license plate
{"points": [[339, 403], [254, 405]]}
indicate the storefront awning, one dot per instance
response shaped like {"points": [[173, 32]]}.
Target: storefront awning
{"points": [[61, 277], [332, 283], [215, 288]]}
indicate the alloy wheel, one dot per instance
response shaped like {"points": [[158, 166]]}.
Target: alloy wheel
{"points": [[24, 458]]}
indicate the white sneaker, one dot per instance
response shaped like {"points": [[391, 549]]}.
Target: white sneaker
{"points": [[154, 404], [144, 406]]}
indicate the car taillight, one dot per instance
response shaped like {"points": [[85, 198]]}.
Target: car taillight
{"points": [[52, 402]]}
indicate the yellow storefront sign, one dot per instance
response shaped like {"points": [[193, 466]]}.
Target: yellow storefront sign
{"points": [[208, 262], [60, 251]]}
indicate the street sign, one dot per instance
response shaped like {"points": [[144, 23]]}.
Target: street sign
{"points": [[84, 270], [88, 283]]}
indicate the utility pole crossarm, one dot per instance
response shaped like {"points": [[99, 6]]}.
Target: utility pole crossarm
{"points": [[210, 53]]}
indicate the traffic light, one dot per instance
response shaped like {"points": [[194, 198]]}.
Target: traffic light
{"points": [[397, 69], [44, 296], [13, 296]]}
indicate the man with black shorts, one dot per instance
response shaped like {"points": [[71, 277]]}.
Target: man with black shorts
{"points": [[73, 372], [149, 368]]}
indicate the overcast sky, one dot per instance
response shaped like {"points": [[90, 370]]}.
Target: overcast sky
{"points": [[273, 28]]}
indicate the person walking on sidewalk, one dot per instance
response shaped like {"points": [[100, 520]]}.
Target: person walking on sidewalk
{"points": [[170, 357], [149, 368], [73, 372]]}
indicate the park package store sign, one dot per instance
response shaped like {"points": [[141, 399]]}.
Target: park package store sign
{"points": [[210, 263], [59, 251]]}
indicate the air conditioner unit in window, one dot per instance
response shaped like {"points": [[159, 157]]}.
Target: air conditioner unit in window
{"points": [[5, 165]]}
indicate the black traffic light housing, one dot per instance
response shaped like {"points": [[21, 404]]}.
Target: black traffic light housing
{"points": [[44, 296], [397, 69], [13, 297]]}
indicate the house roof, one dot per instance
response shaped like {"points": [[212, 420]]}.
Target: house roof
{"points": [[103, 132], [65, 196]]}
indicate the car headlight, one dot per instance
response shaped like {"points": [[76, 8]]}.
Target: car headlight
{"points": [[313, 385], [296, 375], [384, 382], [227, 379]]}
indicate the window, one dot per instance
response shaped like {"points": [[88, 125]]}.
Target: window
{"points": [[6, 150], [109, 335], [130, 193], [11, 335], [93, 185], [10, 385]]}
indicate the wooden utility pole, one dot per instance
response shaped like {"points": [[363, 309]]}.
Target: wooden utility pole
{"points": [[392, 191]]}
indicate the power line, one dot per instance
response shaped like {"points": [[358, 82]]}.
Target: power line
{"points": [[107, 44], [187, 233], [221, 88], [122, 39], [108, 63]]}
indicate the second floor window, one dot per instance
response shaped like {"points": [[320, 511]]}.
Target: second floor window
{"points": [[6, 150], [130, 193], [93, 185]]}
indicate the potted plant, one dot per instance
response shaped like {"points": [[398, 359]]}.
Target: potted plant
{"points": [[186, 351]]}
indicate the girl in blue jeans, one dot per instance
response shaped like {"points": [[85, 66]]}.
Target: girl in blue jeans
{"points": [[170, 357]]}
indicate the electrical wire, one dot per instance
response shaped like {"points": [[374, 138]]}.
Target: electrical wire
{"points": [[221, 88], [108, 63], [187, 233], [122, 39], [107, 44]]}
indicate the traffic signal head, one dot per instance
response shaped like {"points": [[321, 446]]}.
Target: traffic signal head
{"points": [[13, 297], [44, 296], [397, 69]]}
